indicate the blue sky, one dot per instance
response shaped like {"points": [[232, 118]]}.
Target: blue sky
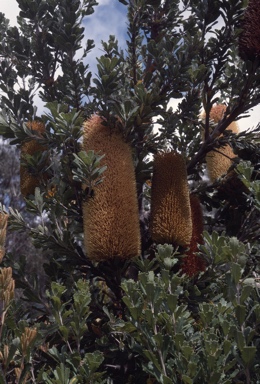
{"points": [[109, 18]]}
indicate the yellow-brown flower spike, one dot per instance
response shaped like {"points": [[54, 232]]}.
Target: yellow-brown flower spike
{"points": [[27, 339], [110, 217], [219, 160], [3, 225], [7, 285], [249, 39], [170, 202], [29, 181], [192, 264]]}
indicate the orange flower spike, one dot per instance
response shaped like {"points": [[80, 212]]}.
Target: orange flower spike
{"points": [[3, 226], [27, 339], [219, 161], [28, 181], [110, 217], [170, 204], [193, 264]]}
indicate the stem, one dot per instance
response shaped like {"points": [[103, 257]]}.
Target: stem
{"points": [[159, 350], [61, 322], [32, 375], [207, 145], [247, 372], [2, 323]]}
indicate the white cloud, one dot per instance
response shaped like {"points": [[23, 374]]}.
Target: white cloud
{"points": [[10, 9], [109, 19], [252, 121]]}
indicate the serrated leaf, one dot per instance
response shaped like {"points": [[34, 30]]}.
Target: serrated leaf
{"points": [[165, 380], [240, 311], [248, 354], [236, 272], [246, 291], [187, 379]]}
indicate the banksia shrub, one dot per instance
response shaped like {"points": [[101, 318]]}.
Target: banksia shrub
{"points": [[192, 264], [170, 202], [219, 161], [3, 225], [30, 181], [249, 39], [110, 217]]}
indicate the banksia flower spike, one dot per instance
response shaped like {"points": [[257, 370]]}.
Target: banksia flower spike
{"points": [[27, 339], [7, 286], [170, 202], [193, 264], [219, 161], [29, 181], [249, 39], [110, 217], [3, 225]]}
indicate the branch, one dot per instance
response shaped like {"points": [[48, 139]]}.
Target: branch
{"points": [[207, 145]]}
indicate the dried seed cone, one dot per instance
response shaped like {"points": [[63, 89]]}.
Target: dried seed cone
{"points": [[220, 160], [170, 202], [110, 217], [193, 264], [249, 39], [28, 181]]}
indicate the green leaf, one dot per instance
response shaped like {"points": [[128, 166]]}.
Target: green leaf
{"points": [[240, 314], [64, 331], [62, 374], [240, 340], [187, 379], [248, 354], [93, 361], [165, 380], [172, 301], [246, 292], [236, 272], [227, 346], [152, 358]]}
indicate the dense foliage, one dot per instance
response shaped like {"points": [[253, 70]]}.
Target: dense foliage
{"points": [[68, 319]]}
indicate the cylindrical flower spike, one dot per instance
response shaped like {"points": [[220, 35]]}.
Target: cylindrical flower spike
{"points": [[29, 181], [193, 264], [27, 339], [249, 39], [7, 286], [219, 160], [170, 202], [110, 217], [3, 225]]}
